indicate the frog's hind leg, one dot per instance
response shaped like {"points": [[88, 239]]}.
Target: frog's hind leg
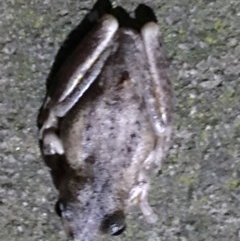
{"points": [[74, 78], [83, 66], [75, 37], [139, 196], [158, 93]]}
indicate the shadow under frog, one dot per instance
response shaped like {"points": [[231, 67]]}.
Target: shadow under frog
{"points": [[105, 123]]}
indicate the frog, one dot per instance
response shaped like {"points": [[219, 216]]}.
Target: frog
{"points": [[105, 123]]}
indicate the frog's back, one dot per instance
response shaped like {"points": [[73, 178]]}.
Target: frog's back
{"points": [[109, 130]]}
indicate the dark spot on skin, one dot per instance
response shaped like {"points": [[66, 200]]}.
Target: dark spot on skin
{"points": [[70, 234], [117, 99], [142, 106], [112, 135], [136, 97], [88, 126], [159, 172], [124, 77], [133, 135], [112, 118], [129, 149], [7, 185], [90, 159], [138, 125]]}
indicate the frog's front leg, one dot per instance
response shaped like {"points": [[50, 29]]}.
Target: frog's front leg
{"points": [[75, 76]]}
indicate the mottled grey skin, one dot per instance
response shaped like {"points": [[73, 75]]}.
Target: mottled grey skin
{"points": [[102, 136]]}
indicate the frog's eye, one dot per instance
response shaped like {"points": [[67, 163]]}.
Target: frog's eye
{"points": [[59, 208], [114, 223]]}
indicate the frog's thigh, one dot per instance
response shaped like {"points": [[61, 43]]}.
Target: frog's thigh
{"points": [[158, 97], [61, 108], [88, 67], [76, 85]]}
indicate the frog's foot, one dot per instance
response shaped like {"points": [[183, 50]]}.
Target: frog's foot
{"points": [[52, 144], [139, 196]]}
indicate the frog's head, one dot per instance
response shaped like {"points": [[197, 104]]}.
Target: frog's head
{"points": [[89, 206]]}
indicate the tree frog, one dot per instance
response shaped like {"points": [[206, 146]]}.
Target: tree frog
{"points": [[105, 122]]}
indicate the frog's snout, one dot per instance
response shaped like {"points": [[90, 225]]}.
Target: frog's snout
{"points": [[114, 223]]}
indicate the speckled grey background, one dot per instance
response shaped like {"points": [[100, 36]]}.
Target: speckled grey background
{"points": [[197, 196]]}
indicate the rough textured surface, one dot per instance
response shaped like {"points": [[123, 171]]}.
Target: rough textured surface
{"points": [[197, 196]]}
